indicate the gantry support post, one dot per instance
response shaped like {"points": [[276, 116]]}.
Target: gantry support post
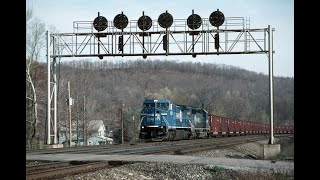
{"points": [[48, 89], [54, 66], [270, 56], [51, 98]]}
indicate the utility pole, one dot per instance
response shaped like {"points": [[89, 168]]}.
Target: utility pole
{"points": [[134, 128], [121, 119], [83, 127], [69, 104], [77, 127]]}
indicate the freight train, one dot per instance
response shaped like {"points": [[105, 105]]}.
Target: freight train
{"points": [[162, 119]]}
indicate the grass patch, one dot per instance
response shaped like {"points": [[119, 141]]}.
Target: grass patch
{"points": [[217, 168]]}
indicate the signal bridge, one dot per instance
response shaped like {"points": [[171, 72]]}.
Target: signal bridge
{"points": [[235, 37]]}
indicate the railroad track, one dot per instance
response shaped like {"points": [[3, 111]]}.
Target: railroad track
{"points": [[146, 148], [96, 148], [59, 170], [202, 146]]}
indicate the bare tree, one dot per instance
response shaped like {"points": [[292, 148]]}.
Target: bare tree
{"points": [[34, 44], [82, 90]]}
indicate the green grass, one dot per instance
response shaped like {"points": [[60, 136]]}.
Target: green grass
{"points": [[217, 168]]}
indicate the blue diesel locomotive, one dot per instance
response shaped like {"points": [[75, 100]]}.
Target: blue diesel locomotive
{"points": [[164, 120]]}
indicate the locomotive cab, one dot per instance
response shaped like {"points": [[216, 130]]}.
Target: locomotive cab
{"points": [[154, 115], [164, 120]]}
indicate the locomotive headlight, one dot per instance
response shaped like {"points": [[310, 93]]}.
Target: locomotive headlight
{"points": [[161, 127], [142, 127]]}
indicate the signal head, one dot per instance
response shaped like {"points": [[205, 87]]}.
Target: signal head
{"points": [[120, 21], [144, 23], [216, 18], [165, 20], [194, 21], [100, 23]]}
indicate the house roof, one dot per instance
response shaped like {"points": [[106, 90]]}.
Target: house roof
{"points": [[95, 124]]}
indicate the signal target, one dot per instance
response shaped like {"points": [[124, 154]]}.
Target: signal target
{"points": [[216, 18], [120, 21], [100, 23], [165, 20], [144, 23], [194, 21]]}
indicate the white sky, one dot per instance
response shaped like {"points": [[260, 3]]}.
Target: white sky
{"points": [[278, 14]]}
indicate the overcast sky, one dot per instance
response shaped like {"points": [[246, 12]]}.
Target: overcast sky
{"points": [[278, 14]]}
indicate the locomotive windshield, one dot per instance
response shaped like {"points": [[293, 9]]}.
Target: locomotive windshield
{"points": [[148, 105], [163, 106]]}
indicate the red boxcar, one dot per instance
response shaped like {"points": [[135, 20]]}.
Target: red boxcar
{"points": [[290, 129], [253, 127], [259, 128], [267, 128], [249, 127], [281, 129], [242, 127], [237, 124], [287, 129], [231, 126], [256, 126], [264, 129], [224, 125], [215, 125], [275, 129]]}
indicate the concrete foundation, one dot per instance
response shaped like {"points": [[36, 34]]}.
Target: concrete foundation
{"points": [[49, 146], [270, 151]]}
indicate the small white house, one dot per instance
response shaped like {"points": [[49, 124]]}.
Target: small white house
{"points": [[96, 131]]}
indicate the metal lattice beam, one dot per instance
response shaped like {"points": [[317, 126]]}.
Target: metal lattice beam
{"points": [[181, 40]]}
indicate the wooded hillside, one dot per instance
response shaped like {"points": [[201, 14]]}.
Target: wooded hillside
{"points": [[222, 90]]}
